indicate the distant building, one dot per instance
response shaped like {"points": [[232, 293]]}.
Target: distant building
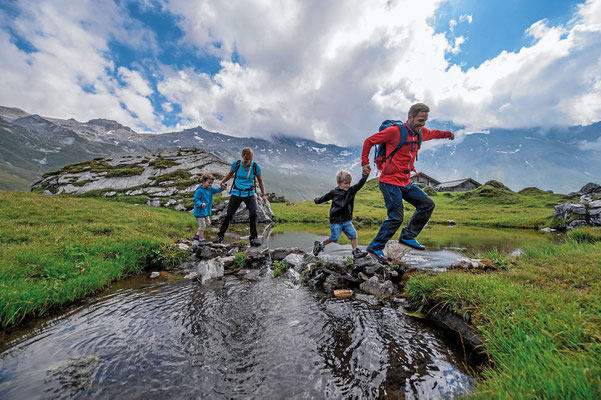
{"points": [[459, 185], [424, 180]]}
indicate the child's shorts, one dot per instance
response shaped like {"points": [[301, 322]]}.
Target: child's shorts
{"points": [[346, 227], [203, 223]]}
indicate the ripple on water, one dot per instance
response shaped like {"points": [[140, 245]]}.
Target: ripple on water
{"points": [[232, 338]]}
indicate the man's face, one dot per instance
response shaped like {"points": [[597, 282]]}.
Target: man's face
{"points": [[418, 122]]}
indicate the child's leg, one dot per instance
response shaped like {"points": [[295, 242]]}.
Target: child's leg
{"points": [[354, 243], [201, 234], [350, 232], [326, 241]]}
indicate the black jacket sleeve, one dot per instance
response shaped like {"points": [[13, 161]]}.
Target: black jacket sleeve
{"points": [[355, 188], [324, 198]]}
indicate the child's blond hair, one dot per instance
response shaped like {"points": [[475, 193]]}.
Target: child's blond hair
{"points": [[343, 176]]}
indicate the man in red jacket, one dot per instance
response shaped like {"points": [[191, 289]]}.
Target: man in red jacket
{"points": [[395, 180]]}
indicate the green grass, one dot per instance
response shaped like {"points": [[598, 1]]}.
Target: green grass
{"points": [[532, 209], [540, 319], [56, 249]]}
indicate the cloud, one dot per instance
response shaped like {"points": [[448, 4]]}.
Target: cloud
{"points": [[70, 71], [330, 71]]}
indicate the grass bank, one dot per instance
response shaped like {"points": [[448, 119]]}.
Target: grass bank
{"points": [[540, 318], [485, 206], [57, 249]]}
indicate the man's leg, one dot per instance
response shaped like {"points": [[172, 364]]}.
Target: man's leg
{"points": [[393, 198], [251, 205], [232, 206], [424, 206]]}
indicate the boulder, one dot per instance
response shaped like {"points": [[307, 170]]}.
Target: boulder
{"points": [[375, 287], [579, 223], [281, 252], [590, 188], [396, 251], [209, 270]]}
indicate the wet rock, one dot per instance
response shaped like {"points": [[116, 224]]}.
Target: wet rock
{"points": [[367, 298], [375, 287], [333, 282], [228, 261], [257, 258], [210, 269], [362, 276], [281, 252], [183, 246], [209, 251], [317, 280], [293, 276], [343, 293], [154, 274], [473, 263], [250, 274], [191, 275], [295, 260]]}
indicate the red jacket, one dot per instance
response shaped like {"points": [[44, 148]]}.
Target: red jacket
{"points": [[404, 158]]}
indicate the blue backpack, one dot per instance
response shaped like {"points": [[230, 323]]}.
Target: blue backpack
{"points": [[380, 156]]}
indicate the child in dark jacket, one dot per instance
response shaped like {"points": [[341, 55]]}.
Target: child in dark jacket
{"points": [[341, 212], [203, 204]]}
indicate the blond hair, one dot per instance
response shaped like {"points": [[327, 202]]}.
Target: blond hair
{"points": [[343, 176], [247, 151]]}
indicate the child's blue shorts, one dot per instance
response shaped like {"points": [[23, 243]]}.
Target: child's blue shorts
{"points": [[346, 227]]}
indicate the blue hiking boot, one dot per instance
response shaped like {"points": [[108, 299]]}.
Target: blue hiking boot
{"points": [[379, 255], [412, 243]]}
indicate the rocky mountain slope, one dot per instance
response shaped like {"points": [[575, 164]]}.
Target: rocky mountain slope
{"points": [[159, 178], [560, 159]]}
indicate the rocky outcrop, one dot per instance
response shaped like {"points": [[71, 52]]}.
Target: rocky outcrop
{"points": [[585, 211], [159, 178]]}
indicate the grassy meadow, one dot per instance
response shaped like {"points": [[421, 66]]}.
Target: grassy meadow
{"points": [[485, 206], [56, 249], [540, 318]]}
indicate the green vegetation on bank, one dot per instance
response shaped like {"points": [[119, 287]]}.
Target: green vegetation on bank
{"points": [[540, 318], [489, 205], [57, 249]]}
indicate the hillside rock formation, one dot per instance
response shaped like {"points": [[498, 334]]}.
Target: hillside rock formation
{"points": [[587, 211], [159, 178]]}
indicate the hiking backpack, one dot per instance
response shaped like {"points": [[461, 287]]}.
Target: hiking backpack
{"points": [[236, 168], [380, 157]]}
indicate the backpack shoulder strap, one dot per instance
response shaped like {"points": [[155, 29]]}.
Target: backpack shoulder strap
{"points": [[404, 135], [236, 168]]}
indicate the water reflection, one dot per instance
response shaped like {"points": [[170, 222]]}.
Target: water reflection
{"points": [[232, 338]]}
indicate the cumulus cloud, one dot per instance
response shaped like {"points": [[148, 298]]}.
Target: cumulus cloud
{"points": [[70, 71], [324, 70]]}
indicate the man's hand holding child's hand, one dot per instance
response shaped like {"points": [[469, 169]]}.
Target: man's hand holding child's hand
{"points": [[223, 186], [366, 169]]}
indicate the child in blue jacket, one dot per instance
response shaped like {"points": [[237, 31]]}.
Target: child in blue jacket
{"points": [[203, 204]]}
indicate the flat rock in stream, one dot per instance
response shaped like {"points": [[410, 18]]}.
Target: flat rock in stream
{"points": [[209, 270]]}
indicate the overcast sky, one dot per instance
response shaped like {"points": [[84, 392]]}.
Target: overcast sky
{"points": [[326, 70]]}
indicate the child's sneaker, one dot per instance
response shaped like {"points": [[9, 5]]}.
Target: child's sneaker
{"points": [[357, 253], [202, 242], [412, 243], [379, 255], [195, 237], [317, 247]]}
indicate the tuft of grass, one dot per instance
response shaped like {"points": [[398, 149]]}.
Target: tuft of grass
{"points": [[57, 249], [279, 267], [239, 260], [123, 172]]}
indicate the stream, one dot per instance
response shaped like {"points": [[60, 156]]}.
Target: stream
{"points": [[243, 337]]}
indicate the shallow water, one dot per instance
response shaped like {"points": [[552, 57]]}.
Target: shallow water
{"points": [[245, 338], [233, 338]]}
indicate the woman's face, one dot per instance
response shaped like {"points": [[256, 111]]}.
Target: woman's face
{"points": [[247, 159]]}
